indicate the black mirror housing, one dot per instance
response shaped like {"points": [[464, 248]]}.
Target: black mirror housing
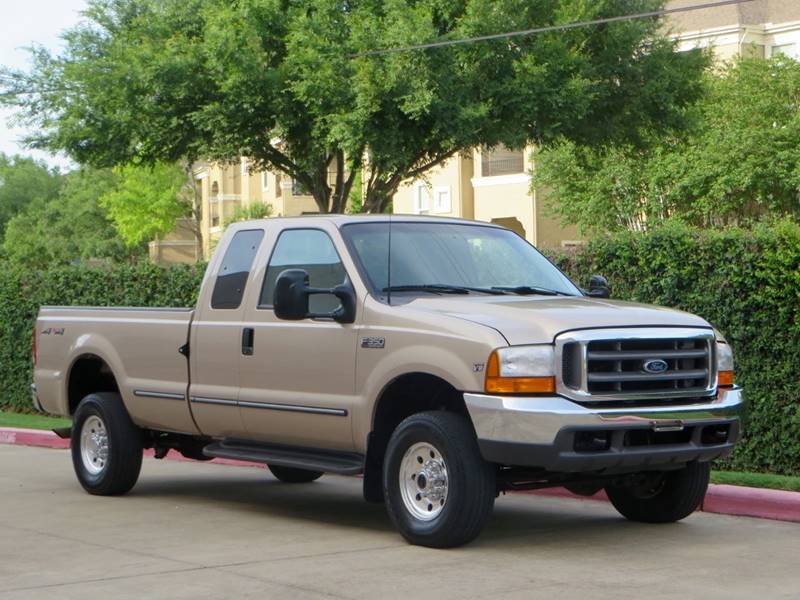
{"points": [[290, 300], [598, 287], [291, 295]]}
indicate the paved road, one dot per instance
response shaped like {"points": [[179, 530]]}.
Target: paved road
{"points": [[196, 531]]}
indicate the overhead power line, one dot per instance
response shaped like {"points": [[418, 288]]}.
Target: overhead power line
{"points": [[550, 28]]}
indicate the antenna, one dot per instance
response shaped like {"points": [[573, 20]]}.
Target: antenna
{"points": [[389, 266]]}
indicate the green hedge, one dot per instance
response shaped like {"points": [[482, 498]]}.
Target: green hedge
{"points": [[23, 291], [747, 284]]}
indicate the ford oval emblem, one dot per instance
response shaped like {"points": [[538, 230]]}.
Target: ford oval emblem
{"points": [[655, 365]]}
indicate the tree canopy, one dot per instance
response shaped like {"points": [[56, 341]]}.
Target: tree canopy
{"points": [[69, 228], [147, 201], [738, 161], [286, 83], [23, 181]]}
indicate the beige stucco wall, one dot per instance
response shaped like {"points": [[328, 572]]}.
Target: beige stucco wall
{"points": [[453, 175]]}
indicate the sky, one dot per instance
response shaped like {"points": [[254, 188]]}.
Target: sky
{"points": [[23, 23]]}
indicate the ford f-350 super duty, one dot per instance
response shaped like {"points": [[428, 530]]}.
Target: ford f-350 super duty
{"points": [[444, 360]]}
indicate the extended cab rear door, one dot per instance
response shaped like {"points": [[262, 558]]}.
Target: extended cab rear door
{"points": [[216, 335], [297, 381]]}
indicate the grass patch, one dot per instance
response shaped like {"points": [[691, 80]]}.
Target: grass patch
{"points": [[759, 480], [25, 421]]}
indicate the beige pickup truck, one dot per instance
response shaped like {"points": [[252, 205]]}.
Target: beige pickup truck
{"points": [[444, 360]]}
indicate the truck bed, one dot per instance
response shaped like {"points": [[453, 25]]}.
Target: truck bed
{"points": [[141, 347]]}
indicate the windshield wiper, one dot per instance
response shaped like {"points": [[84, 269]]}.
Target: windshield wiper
{"points": [[442, 289], [527, 290]]}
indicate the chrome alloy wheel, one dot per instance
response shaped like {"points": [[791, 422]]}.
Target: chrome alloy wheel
{"points": [[94, 445], [423, 481]]}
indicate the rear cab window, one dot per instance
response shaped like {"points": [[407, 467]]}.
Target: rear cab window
{"points": [[235, 269]]}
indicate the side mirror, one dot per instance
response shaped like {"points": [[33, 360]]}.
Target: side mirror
{"points": [[291, 295], [598, 287], [290, 300]]}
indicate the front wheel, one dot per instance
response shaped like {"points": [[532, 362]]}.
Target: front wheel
{"points": [[106, 446], [662, 497], [439, 491]]}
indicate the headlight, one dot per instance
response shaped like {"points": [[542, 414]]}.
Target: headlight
{"points": [[724, 365], [521, 369]]}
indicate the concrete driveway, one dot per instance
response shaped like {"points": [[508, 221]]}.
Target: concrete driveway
{"points": [[192, 530]]}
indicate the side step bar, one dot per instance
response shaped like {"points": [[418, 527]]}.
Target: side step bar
{"points": [[311, 459]]}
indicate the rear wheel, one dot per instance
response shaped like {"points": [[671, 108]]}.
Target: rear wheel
{"points": [[106, 446], [439, 491], [662, 497], [294, 475]]}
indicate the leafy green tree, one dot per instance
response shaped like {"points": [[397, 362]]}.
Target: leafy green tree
{"points": [[147, 202], [256, 210], [70, 228], [738, 162], [145, 81], [23, 181]]}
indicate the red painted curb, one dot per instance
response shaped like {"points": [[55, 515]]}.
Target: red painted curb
{"points": [[31, 437], [734, 500], [780, 505]]}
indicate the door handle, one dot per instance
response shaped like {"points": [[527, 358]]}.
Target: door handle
{"points": [[248, 335]]}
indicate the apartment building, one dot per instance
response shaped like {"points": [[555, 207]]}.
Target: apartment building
{"points": [[491, 185]]}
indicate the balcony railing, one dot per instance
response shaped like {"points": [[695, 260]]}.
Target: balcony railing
{"points": [[502, 162]]}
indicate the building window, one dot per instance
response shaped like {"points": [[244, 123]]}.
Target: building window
{"points": [[502, 161], [298, 189], [422, 199], [789, 50], [214, 201], [441, 199], [264, 181]]}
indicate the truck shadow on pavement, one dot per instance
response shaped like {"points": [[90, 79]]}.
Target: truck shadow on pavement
{"points": [[333, 500]]}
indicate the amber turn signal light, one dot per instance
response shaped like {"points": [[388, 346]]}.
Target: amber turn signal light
{"points": [[725, 379]]}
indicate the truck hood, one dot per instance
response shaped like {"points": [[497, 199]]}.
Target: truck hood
{"points": [[538, 319]]}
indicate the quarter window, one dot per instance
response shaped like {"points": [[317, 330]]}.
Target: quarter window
{"points": [[235, 268], [313, 251]]}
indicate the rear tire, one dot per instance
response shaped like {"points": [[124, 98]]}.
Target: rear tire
{"points": [[439, 491], [663, 497], [106, 446], [294, 475]]}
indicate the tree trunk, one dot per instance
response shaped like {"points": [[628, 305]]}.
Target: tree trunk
{"points": [[197, 210]]}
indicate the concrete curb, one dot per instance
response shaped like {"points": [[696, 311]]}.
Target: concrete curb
{"points": [[778, 505]]}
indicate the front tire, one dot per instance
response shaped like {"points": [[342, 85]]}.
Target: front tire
{"points": [[106, 446], [662, 497], [294, 475], [439, 491]]}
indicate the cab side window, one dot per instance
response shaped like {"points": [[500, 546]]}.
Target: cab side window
{"points": [[235, 268], [313, 251]]}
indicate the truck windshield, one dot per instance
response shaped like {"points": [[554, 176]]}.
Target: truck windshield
{"points": [[452, 258]]}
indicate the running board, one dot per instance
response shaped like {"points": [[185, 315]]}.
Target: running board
{"points": [[310, 459]]}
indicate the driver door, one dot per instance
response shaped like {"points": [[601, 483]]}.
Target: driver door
{"points": [[297, 383]]}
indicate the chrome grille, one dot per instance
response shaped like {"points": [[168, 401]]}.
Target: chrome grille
{"points": [[625, 364]]}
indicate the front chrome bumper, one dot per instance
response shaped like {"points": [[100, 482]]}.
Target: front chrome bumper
{"points": [[540, 431]]}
